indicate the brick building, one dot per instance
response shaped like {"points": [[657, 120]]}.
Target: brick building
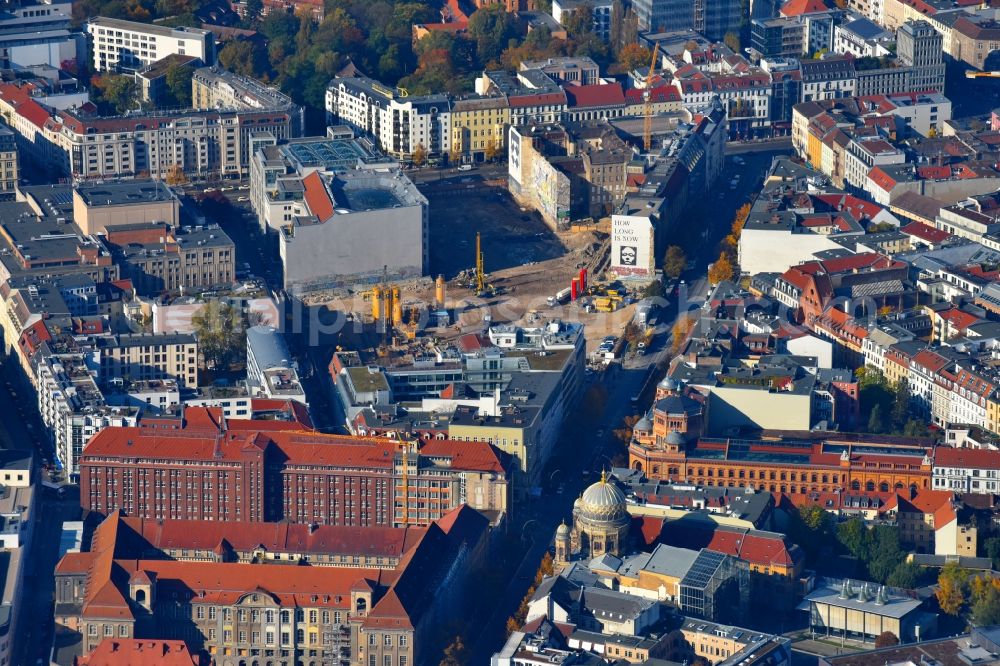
{"points": [[669, 447], [201, 466], [133, 585]]}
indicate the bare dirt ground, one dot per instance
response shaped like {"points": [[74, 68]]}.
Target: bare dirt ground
{"points": [[524, 259]]}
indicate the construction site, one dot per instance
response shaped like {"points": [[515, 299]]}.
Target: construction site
{"points": [[491, 262]]}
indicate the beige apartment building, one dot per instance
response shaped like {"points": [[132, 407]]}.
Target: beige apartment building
{"points": [[9, 172], [100, 208], [142, 356], [157, 258]]}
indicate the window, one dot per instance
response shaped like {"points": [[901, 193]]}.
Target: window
{"points": [[388, 640], [109, 630]]}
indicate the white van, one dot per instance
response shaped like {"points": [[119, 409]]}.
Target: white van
{"points": [[465, 167]]}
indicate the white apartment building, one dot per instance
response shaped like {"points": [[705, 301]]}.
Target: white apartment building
{"points": [[271, 371], [966, 470], [400, 123], [73, 408], [832, 78], [203, 143], [966, 221], [128, 46], [38, 33], [861, 156], [862, 38], [145, 356]]}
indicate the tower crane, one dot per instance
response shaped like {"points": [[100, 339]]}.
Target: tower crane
{"points": [[647, 96]]}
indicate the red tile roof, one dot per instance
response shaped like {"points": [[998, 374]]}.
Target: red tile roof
{"points": [[946, 456], [280, 537], [198, 439], [24, 105], [659, 94], [756, 547], [799, 7], [317, 197], [925, 232], [112, 562], [859, 208], [482, 458], [959, 319], [928, 359], [536, 99], [140, 652], [597, 94], [33, 337], [930, 172], [881, 179]]}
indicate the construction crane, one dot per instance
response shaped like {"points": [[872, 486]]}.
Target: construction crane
{"points": [[647, 96], [982, 75], [480, 268]]}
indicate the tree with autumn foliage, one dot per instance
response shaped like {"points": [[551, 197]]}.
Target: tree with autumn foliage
{"points": [[419, 156], [176, 176], [680, 331], [721, 270], [632, 57], [624, 433], [985, 600], [953, 583], [886, 639], [455, 654], [740, 219], [674, 262]]}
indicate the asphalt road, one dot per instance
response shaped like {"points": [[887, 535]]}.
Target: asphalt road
{"points": [[19, 423], [704, 227]]}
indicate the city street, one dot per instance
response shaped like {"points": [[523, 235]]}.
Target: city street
{"points": [[591, 448]]}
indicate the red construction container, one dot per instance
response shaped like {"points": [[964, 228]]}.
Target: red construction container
{"points": [[583, 280], [574, 289]]}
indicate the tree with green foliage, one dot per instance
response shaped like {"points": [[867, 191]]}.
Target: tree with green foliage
{"points": [[220, 332], [886, 553], [900, 404], [653, 290], [732, 40], [674, 261], [178, 82], [491, 28], [991, 547], [115, 92], [855, 537], [906, 575], [876, 420], [813, 529], [241, 57], [255, 8], [986, 607]]}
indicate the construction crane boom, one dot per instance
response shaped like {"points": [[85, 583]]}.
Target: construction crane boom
{"points": [[480, 268], [982, 75], [647, 95]]}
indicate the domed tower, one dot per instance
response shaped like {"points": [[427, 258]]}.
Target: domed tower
{"points": [[667, 386], [562, 542], [601, 520]]}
